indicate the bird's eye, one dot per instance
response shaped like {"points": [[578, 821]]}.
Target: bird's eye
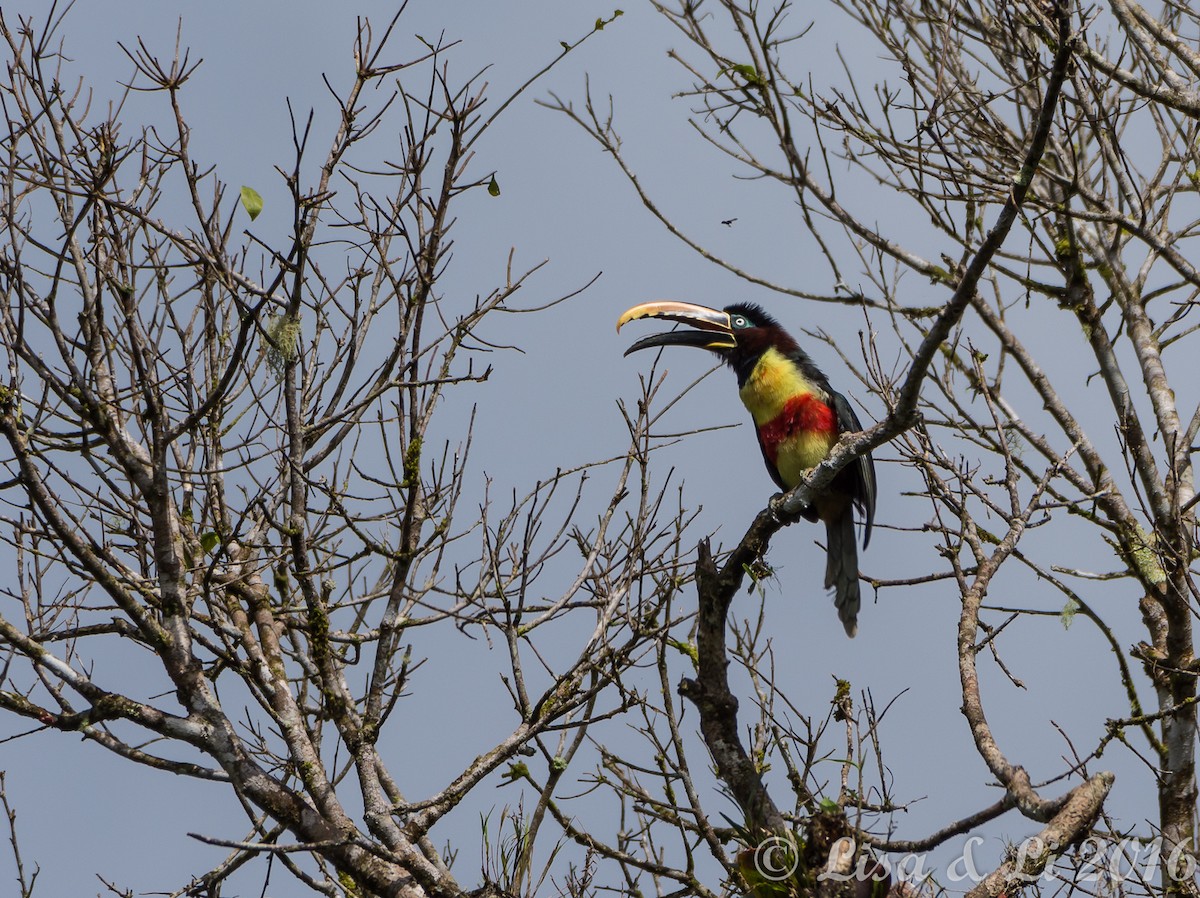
{"points": [[740, 321]]}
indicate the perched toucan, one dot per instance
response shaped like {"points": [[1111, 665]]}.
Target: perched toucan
{"points": [[797, 415]]}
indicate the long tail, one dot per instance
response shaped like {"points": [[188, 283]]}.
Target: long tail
{"points": [[841, 569]]}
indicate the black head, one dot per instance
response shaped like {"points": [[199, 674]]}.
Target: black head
{"points": [[754, 332]]}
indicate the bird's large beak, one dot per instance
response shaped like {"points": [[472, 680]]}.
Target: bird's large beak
{"points": [[713, 330]]}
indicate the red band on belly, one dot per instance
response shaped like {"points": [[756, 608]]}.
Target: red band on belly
{"points": [[801, 414]]}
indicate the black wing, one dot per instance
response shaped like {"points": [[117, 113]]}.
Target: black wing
{"points": [[771, 469], [861, 473]]}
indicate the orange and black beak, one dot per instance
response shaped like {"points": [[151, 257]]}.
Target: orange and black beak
{"points": [[713, 328]]}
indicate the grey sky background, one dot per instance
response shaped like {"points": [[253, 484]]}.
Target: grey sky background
{"points": [[83, 812]]}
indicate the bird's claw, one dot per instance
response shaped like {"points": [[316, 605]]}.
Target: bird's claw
{"points": [[775, 507], [780, 513]]}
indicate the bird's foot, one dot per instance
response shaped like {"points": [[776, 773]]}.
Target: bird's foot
{"points": [[781, 515]]}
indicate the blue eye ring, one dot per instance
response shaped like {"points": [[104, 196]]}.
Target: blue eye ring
{"points": [[739, 321]]}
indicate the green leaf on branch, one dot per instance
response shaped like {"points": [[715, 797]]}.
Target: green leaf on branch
{"points": [[516, 771], [601, 22], [252, 202], [749, 72]]}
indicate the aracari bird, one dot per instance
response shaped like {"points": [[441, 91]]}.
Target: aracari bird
{"points": [[797, 415]]}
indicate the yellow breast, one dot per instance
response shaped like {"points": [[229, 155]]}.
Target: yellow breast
{"points": [[800, 453], [771, 384]]}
